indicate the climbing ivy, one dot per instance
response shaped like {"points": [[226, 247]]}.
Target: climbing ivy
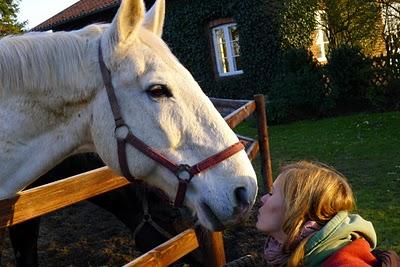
{"points": [[188, 34]]}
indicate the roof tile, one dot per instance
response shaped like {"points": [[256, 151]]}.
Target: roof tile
{"points": [[81, 8]]}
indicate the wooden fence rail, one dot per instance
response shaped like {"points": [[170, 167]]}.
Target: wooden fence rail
{"points": [[168, 252], [41, 200]]}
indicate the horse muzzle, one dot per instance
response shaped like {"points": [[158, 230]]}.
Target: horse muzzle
{"points": [[217, 221]]}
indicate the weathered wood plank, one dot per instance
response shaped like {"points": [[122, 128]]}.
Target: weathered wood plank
{"points": [[239, 115], [50, 197], [168, 252], [252, 146], [212, 244], [252, 150], [263, 139], [228, 103]]}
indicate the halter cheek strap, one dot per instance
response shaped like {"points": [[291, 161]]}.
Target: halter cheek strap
{"points": [[183, 172]]}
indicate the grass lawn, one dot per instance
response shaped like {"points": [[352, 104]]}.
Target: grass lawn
{"points": [[365, 148]]}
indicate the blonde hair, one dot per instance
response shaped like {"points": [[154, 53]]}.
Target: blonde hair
{"points": [[312, 192]]}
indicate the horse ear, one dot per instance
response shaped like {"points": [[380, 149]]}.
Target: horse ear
{"points": [[127, 21], [154, 18]]}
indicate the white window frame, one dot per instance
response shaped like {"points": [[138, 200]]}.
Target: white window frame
{"points": [[320, 43], [229, 51], [390, 17]]}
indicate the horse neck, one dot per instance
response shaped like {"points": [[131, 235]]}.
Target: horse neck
{"points": [[63, 66], [48, 83]]}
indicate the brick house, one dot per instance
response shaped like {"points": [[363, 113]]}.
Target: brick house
{"points": [[204, 35]]}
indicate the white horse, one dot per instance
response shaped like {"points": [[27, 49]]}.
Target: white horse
{"points": [[53, 103]]}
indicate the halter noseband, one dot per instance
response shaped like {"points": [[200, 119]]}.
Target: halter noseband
{"points": [[183, 172]]}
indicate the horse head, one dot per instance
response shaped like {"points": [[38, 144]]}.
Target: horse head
{"points": [[164, 106], [54, 99]]}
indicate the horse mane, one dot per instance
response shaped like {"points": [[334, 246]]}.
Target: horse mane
{"points": [[39, 62]]}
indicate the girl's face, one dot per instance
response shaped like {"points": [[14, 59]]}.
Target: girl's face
{"points": [[271, 213]]}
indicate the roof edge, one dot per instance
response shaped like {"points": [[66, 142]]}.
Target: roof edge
{"points": [[71, 19]]}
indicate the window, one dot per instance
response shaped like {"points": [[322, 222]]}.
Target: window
{"points": [[391, 17], [321, 42], [391, 20], [227, 50]]}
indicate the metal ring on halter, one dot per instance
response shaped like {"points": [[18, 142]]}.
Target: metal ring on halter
{"points": [[146, 217], [183, 173], [121, 131]]}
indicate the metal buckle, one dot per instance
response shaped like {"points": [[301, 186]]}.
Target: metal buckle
{"points": [[183, 173], [121, 131], [146, 217]]}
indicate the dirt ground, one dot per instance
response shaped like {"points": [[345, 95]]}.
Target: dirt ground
{"points": [[85, 235]]}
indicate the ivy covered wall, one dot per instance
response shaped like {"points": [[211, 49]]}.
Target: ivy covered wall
{"points": [[189, 37], [188, 34]]}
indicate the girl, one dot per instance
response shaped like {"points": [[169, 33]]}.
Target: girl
{"points": [[308, 223]]}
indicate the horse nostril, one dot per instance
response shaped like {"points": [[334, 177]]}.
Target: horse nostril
{"points": [[242, 197]]}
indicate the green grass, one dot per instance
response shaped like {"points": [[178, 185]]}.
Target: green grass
{"points": [[365, 148]]}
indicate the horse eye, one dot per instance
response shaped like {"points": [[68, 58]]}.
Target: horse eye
{"points": [[158, 91]]}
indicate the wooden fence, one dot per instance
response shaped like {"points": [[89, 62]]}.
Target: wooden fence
{"points": [[41, 200]]}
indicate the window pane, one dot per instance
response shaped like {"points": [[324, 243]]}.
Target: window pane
{"points": [[326, 48], [235, 48], [324, 37], [234, 33], [238, 63], [221, 65], [320, 52], [225, 65], [222, 50], [219, 33], [319, 38]]}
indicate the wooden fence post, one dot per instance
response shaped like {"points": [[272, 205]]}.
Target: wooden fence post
{"points": [[263, 139], [212, 245]]}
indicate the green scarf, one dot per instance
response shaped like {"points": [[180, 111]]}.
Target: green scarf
{"points": [[337, 233]]}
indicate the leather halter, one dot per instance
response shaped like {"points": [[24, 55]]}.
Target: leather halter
{"points": [[183, 172], [147, 219]]}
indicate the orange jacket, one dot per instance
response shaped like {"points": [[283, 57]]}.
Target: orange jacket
{"points": [[356, 254]]}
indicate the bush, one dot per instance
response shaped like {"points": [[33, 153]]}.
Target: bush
{"points": [[350, 75], [299, 90]]}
